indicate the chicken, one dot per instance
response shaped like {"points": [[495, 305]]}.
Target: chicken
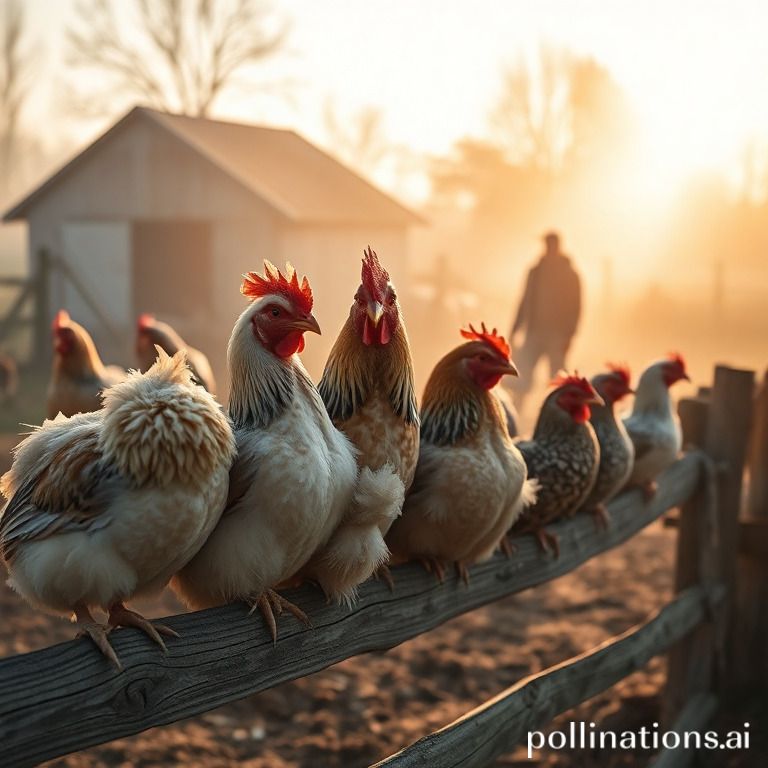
{"points": [[563, 455], [295, 476], [78, 377], [106, 506], [616, 450], [151, 332], [653, 426], [471, 481], [9, 378], [367, 385]]}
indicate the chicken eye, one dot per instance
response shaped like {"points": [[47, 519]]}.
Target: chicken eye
{"points": [[391, 299], [275, 312]]}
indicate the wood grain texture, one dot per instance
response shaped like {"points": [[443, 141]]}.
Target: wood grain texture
{"points": [[67, 697], [499, 725], [694, 717]]}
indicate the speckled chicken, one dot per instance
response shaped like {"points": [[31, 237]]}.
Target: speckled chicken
{"points": [[471, 481], [151, 332], [653, 425], [78, 377], [616, 450], [563, 455], [295, 478], [367, 385], [106, 506]]}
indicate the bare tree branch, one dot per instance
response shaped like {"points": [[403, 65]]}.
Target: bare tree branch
{"points": [[179, 55]]}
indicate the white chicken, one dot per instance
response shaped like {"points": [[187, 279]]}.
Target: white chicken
{"points": [[295, 478], [653, 425], [109, 505]]}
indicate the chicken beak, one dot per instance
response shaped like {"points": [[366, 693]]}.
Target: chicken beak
{"points": [[308, 323], [685, 377], [375, 312], [508, 369], [595, 400]]}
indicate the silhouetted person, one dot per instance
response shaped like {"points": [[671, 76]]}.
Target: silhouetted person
{"points": [[548, 314]]}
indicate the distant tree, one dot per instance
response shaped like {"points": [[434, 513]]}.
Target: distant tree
{"points": [[359, 140], [13, 71], [176, 55], [560, 112]]}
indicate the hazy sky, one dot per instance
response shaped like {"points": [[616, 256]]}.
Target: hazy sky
{"points": [[696, 72]]}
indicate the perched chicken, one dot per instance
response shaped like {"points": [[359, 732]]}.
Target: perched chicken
{"points": [[109, 505], [563, 455], [470, 484], [78, 377], [616, 450], [9, 378], [367, 384], [653, 425], [151, 332], [295, 477]]}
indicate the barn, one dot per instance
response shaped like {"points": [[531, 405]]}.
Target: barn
{"points": [[163, 213]]}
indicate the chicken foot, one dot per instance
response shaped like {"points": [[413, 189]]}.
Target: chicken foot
{"points": [[548, 541], [120, 616], [382, 573], [88, 626], [601, 517], [270, 604], [433, 565]]}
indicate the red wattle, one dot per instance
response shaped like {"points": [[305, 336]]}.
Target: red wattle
{"points": [[290, 344], [368, 332], [384, 334], [581, 413]]}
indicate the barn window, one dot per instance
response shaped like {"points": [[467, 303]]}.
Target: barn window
{"points": [[172, 267]]}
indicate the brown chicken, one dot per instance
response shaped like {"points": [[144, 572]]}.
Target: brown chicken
{"points": [[471, 483], [78, 377], [563, 455], [151, 332], [367, 385]]}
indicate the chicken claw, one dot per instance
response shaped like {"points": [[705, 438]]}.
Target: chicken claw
{"points": [[649, 489], [382, 573], [602, 517], [548, 541], [120, 616], [463, 571], [433, 565], [507, 546], [271, 604], [97, 632]]}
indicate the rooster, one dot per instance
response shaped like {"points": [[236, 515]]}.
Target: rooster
{"points": [[151, 333], [295, 478], [106, 506], [616, 450], [367, 385], [471, 481], [563, 455], [78, 377], [653, 426]]}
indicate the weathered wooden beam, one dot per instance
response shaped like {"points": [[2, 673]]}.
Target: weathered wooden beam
{"points": [[67, 697], [497, 726], [693, 719], [693, 662], [752, 591]]}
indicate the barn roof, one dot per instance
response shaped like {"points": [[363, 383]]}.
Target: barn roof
{"points": [[292, 175]]}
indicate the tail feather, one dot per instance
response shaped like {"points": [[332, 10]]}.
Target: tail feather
{"points": [[530, 492], [378, 497]]}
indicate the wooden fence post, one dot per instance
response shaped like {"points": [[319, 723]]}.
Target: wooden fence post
{"points": [[41, 346], [727, 437], [692, 661], [752, 599]]}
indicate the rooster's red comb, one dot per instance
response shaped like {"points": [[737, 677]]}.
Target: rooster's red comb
{"points": [[374, 276], [275, 282], [488, 337], [60, 318], [146, 321], [564, 379], [677, 359], [622, 371]]}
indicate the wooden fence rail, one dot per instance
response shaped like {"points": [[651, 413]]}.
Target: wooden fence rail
{"points": [[66, 697], [503, 722]]}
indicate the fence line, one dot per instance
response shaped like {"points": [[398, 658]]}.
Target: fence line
{"points": [[69, 692], [500, 724]]}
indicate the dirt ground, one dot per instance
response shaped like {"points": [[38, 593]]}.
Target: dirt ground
{"points": [[365, 708]]}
